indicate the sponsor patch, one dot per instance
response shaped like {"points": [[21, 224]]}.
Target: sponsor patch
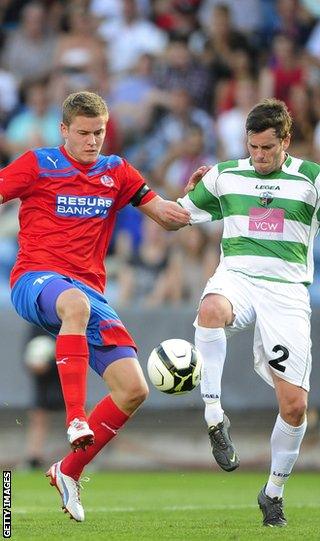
{"points": [[266, 223], [83, 206]]}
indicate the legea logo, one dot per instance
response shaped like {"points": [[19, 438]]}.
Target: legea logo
{"points": [[83, 206]]}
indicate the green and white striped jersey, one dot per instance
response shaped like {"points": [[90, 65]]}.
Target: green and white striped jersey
{"points": [[270, 221]]}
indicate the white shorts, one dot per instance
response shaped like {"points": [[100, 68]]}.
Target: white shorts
{"points": [[280, 314]]}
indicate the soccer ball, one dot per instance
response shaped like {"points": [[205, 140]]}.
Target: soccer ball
{"points": [[174, 366]]}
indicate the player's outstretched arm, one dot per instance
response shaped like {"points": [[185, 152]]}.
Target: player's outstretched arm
{"points": [[1, 199], [168, 214]]}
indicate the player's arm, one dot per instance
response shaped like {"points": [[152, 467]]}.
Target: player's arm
{"points": [[203, 201], [17, 178], [168, 214]]}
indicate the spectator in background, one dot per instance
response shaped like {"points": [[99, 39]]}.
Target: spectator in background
{"points": [[194, 257], [129, 97], [126, 241], [146, 279], [304, 117], [246, 15], [230, 124], [8, 95], [221, 40], [313, 50], [28, 48], [10, 12], [179, 18], [178, 68], [182, 158], [39, 358], [37, 125], [285, 69], [79, 51], [290, 17], [179, 113], [294, 20], [243, 67], [316, 134], [132, 37], [169, 270]]}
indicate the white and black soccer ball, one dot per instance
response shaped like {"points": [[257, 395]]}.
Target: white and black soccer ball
{"points": [[174, 366]]}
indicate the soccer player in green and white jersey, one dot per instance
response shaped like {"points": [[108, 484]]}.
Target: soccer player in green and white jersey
{"points": [[270, 206]]}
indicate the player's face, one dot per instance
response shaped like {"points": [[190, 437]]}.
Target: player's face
{"points": [[84, 137], [267, 151]]}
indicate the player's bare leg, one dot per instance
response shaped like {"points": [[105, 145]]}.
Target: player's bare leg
{"points": [[286, 438]]}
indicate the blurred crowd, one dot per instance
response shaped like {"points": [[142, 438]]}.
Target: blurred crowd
{"points": [[179, 77]]}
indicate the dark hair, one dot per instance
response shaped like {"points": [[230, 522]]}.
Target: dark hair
{"points": [[83, 104], [270, 113]]}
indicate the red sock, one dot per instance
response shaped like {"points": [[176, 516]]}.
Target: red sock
{"points": [[72, 356], [105, 420]]}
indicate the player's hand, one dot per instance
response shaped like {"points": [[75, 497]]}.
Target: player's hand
{"points": [[172, 215], [196, 177]]}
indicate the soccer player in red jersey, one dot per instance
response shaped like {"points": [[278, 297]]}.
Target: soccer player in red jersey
{"points": [[69, 199]]}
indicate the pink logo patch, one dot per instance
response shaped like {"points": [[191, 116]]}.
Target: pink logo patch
{"points": [[264, 220]]}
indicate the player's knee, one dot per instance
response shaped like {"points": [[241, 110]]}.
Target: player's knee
{"points": [[294, 412], [213, 311], [74, 305], [135, 395]]}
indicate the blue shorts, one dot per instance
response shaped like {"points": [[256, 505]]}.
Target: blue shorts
{"points": [[105, 330]]}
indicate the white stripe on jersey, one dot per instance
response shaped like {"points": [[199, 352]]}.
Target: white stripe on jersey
{"points": [[271, 267]]}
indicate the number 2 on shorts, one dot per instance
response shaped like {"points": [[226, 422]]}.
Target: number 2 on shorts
{"points": [[275, 363]]}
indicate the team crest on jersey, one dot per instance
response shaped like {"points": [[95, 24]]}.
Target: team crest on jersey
{"points": [[266, 198], [107, 181]]}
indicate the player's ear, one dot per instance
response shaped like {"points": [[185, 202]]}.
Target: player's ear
{"points": [[286, 141], [63, 130]]}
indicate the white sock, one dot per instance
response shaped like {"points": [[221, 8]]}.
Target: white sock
{"points": [[285, 444], [212, 344]]}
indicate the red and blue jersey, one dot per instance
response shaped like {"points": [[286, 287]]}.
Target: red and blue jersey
{"points": [[68, 211]]}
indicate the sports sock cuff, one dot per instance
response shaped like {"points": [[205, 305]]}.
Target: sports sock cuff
{"points": [[71, 344], [207, 334], [289, 429]]}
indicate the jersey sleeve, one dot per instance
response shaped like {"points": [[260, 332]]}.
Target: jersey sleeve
{"points": [[317, 185], [131, 182], [16, 179], [203, 202]]}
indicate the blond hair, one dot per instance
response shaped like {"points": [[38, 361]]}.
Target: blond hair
{"points": [[83, 104]]}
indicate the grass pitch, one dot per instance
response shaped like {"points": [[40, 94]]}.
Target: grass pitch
{"points": [[156, 506]]}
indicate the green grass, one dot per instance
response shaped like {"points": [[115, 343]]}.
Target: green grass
{"points": [[155, 506]]}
